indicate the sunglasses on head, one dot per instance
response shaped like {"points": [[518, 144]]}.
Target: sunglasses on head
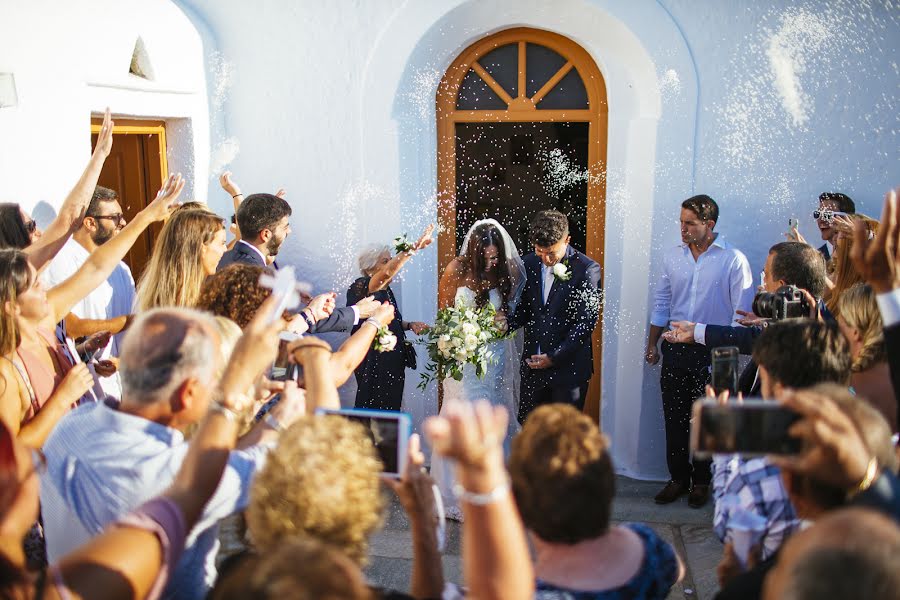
{"points": [[30, 226]]}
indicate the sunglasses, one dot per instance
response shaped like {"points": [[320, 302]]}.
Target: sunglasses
{"points": [[827, 215], [30, 226], [118, 217]]}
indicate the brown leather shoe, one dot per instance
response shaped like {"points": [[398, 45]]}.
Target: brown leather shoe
{"points": [[672, 492], [699, 496]]}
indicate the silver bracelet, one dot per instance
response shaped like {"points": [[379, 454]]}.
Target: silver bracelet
{"points": [[273, 422], [373, 322], [226, 411], [495, 495]]}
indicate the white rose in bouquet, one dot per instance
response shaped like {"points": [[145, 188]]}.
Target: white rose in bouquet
{"points": [[385, 341], [471, 342], [468, 328]]}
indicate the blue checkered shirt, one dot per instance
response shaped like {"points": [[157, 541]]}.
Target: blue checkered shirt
{"points": [[757, 485]]}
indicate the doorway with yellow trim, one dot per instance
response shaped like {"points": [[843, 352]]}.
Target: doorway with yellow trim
{"points": [[522, 126], [135, 169]]}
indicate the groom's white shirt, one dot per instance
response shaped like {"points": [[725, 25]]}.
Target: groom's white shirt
{"points": [[547, 274]]}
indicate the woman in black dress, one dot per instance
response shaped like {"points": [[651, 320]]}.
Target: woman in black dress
{"points": [[381, 375]]}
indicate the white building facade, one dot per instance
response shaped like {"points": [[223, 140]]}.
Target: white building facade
{"points": [[762, 107]]}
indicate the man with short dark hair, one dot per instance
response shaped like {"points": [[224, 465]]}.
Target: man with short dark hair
{"points": [[559, 308], [831, 202], [109, 305], [264, 221], [788, 263], [703, 278]]}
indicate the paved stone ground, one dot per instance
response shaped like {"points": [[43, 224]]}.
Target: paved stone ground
{"points": [[687, 529]]}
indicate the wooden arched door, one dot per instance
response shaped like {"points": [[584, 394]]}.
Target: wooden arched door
{"points": [[522, 124]]}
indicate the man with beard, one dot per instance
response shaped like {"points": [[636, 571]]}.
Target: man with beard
{"points": [[108, 307], [264, 222]]}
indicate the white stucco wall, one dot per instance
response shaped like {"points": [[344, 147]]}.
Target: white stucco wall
{"points": [[335, 101], [71, 60]]}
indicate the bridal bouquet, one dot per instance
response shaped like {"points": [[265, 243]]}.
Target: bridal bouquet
{"points": [[460, 336]]}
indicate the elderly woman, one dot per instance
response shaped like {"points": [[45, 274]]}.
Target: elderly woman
{"points": [[563, 482], [381, 375]]}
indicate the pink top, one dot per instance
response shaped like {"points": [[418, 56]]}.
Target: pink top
{"points": [[43, 381], [160, 516]]}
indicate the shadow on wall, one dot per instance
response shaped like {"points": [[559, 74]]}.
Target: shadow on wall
{"points": [[44, 214]]}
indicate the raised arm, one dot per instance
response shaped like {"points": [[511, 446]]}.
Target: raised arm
{"points": [[125, 561], [77, 327], [383, 276], [72, 210], [496, 562], [354, 349], [105, 258], [449, 283]]}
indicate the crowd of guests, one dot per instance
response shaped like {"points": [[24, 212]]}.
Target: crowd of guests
{"points": [[139, 419]]}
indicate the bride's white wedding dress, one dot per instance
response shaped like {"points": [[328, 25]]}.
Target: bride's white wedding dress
{"points": [[500, 386]]}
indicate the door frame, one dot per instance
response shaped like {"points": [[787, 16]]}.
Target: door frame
{"points": [[522, 109]]}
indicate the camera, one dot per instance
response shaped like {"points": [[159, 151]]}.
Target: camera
{"points": [[787, 302]]}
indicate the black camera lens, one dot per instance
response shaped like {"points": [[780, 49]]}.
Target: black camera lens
{"points": [[764, 305]]}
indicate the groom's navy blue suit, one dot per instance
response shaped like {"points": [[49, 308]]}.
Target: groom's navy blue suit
{"points": [[561, 328]]}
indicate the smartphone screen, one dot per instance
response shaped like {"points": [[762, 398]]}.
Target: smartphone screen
{"points": [[389, 432], [725, 370], [283, 369], [755, 428]]}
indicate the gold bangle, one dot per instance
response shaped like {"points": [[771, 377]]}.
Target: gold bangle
{"points": [[867, 481]]}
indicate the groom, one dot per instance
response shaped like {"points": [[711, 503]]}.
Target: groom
{"points": [[559, 309]]}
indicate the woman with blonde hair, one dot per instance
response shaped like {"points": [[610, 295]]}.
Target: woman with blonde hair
{"points": [[188, 250], [843, 275], [40, 380], [860, 322]]}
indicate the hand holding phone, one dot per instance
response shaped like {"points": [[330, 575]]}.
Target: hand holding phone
{"points": [[725, 370], [389, 432], [753, 428]]}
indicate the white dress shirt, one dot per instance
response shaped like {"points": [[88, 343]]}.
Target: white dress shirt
{"points": [[708, 290], [112, 298], [889, 305]]}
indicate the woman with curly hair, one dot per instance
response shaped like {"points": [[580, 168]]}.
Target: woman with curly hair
{"points": [[188, 250], [564, 484], [235, 293], [860, 322]]}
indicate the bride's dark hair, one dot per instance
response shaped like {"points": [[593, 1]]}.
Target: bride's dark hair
{"points": [[484, 236]]}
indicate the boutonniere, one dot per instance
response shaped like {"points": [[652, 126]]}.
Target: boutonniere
{"points": [[385, 341], [561, 270], [402, 244]]}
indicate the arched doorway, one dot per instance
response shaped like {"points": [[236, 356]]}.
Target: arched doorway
{"points": [[522, 126]]}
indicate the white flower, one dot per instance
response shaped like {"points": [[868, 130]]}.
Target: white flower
{"points": [[461, 356], [387, 341], [443, 344], [561, 271], [471, 342], [468, 329]]}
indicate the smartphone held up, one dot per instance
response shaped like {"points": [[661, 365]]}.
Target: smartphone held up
{"points": [[753, 427], [389, 432]]}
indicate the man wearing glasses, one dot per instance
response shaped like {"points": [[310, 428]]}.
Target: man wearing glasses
{"points": [[109, 304]]}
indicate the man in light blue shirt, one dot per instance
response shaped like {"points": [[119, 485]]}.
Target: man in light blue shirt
{"points": [[702, 279], [104, 462]]}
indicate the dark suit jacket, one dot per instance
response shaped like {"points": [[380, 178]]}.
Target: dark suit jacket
{"points": [[823, 249], [563, 327], [340, 320], [892, 342]]}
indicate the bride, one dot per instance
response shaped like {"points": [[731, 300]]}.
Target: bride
{"points": [[488, 270]]}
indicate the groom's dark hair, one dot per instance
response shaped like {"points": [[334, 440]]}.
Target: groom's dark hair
{"points": [[548, 227], [260, 211]]}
